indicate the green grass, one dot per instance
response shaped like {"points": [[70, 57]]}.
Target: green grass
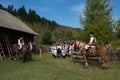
{"points": [[49, 68]]}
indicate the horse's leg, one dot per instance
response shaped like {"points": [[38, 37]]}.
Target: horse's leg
{"points": [[1, 57], [24, 57], [105, 61], [103, 64], [83, 51], [85, 59], [29, 55], [12, 57]]}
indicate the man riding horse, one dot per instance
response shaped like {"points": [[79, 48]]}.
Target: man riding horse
{"points": [[99, 50], [91, 44], [20, 44], [22, 48]]}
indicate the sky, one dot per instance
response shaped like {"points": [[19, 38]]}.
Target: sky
{"points": [[64, 12]]}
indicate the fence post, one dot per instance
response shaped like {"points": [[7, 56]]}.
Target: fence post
{"points": [[110, 55], [118, 54], [40, 52]]}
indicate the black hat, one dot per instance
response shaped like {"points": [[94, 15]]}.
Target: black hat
{"points": [[91, 32]]}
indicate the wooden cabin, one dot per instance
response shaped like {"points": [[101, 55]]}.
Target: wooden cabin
{"points": [[11, 29]]}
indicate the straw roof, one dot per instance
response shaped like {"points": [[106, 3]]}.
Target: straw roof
{"points": [[9, 21]]}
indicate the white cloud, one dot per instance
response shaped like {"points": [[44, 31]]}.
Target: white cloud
{"points": [[116, 18], [78, 8]]}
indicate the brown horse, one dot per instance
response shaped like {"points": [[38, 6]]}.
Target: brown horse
{"points": [[100, 50], [24, 51]]}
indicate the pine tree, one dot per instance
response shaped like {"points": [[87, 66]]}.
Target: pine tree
{"points": [[10, 8], [98, 19], [33, 17], [1, 7], [22, 13]]}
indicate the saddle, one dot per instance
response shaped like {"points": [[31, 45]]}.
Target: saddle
{"points": [[93, 50]]}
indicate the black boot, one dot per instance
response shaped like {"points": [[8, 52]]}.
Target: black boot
{"points": [[87, 51]]}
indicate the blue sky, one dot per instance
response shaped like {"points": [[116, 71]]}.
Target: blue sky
{"points": [[64, 12]]}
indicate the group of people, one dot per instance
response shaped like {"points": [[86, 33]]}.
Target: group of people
{"points": [[61, 49]]}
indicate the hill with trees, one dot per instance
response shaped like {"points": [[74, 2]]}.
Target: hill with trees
{"points": [[48, 31], [97, 18]]}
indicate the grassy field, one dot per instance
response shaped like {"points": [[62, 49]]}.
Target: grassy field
{"points": [[49, 68]]}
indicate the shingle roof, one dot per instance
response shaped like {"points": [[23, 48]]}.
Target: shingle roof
{"points": [[9, 21]]}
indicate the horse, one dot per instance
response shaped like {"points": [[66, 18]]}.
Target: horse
{"points": [[100, 50], [24, 51]]}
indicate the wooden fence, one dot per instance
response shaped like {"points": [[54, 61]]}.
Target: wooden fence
{"points": [[114, 54]]}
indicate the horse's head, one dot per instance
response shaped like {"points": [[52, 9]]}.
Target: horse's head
{"points": [[108, 46], [15, 47]]}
